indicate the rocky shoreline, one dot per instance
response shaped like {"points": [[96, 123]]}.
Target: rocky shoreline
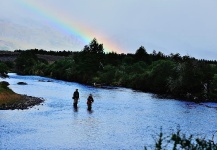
{"points": [[25, 103]]}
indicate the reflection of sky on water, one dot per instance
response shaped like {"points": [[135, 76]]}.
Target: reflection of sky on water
{"points": [[120, 119]]}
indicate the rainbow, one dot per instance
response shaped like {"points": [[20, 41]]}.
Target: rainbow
{"points": [[68, 25]]}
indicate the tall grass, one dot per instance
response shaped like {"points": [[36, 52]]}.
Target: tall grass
{"points": [[179, 141], [7, 96]]}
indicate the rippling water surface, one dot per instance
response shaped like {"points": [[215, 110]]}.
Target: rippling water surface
{"points": [[121, 118]]}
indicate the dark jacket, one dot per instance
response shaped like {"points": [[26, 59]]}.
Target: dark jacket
{"points": [[76, 95], [90, 100]]}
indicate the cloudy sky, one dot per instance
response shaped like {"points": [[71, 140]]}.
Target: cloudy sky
{"points": [[188, 27]]}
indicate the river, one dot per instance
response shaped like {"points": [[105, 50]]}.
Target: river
{"points": [[121, 118]]}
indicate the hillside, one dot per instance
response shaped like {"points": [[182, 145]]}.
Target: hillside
{"points": [[11, 56]]}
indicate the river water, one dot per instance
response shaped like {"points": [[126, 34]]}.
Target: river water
{"points": [[121, 118]]}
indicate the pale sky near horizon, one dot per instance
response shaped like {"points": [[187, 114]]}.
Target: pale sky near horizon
{"points": [[188, 27]]}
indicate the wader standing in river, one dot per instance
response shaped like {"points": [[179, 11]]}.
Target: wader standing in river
{"points": [[89, 102], [75, 97]]}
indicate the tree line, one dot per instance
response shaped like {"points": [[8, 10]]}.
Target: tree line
{"points": [[174, 76], [44, 52]]}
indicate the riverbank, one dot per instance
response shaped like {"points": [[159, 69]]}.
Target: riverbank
{"points": [[9, 100]]}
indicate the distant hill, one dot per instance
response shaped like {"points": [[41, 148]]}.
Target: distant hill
{"points": [[11, 56]]}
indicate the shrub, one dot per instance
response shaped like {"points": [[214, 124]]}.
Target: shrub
{"points": [[181, 141]]}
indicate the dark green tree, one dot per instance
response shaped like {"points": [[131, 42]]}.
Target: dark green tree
{"points": [[94, 47], [140, 52], [142, 55], [192, 79], [3, 70], [25, 62], [90, 61], [159, 73]]}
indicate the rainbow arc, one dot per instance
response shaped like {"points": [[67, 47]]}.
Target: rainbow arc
{"points": [[68, 25]]}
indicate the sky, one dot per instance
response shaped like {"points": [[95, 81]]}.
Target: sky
{"points": [[187, 27]]}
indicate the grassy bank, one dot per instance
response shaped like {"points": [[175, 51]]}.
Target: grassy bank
{"points": [[7, 96], [11, 100]]}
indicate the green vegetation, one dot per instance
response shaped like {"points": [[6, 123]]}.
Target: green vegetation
{"points": [[171, 76], [178, 141], [7, 96], [12, 100], [3, 70]]}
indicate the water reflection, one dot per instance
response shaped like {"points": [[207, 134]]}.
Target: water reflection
{"points": [[75, 108], [90, 111], [120, 118]]}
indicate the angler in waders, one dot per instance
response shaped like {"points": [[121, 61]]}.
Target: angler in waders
{"points": [[75, 97], [89, 102]]}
